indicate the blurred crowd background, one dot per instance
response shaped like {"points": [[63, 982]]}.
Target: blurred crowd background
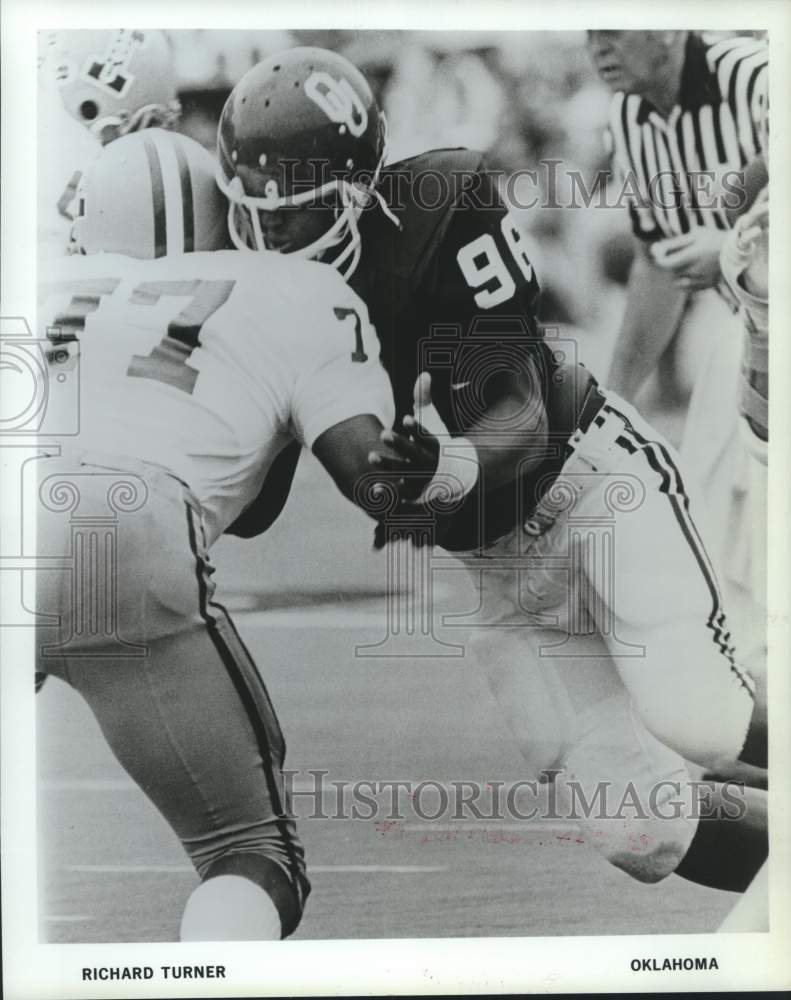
{"points": [[520, 97]]}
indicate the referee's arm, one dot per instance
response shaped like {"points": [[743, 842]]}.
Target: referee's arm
{"points": [[654, 307]]}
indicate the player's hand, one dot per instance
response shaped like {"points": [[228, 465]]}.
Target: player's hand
{"points": [[410, 470], [411, 458], [745, 254], [415, 459], [752, 245], [412, 455], [694, 258]]}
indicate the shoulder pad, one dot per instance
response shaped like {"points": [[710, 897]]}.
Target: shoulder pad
{"points": [[444, 161]]}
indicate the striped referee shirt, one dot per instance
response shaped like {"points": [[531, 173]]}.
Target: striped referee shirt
{"points": [[718, 126]]}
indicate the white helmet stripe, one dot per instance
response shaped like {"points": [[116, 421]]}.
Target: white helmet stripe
{"points": [[171, 181]]}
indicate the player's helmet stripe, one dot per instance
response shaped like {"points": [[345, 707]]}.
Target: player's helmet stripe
{"points": [[157, 196], [186, 198], [166, 145]]}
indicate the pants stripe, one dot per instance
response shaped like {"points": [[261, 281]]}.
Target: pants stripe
{"points": [[656, 452], [660, 460], [255, 699]]}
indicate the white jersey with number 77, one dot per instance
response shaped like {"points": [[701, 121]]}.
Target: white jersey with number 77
{"points": [[210, 363]]}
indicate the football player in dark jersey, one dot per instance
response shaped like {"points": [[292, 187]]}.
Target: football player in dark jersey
{"points": [[445, 273], [555, 487]]}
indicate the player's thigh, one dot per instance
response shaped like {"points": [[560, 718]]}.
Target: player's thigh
{"points": [[540, 674], [543, 684], [116, 565], [665, 605], [183, 723]]}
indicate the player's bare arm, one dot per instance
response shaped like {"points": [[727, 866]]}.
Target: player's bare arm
{"points": [[654, 307], [344, 452]]}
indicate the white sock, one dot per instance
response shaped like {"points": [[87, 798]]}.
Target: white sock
{"points": [[230, 908]]}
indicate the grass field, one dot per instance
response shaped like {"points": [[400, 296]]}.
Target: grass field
{"points": [[303, 597]]}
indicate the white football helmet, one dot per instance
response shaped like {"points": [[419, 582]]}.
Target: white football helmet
{"points": [[150, 194], [112, 82]]}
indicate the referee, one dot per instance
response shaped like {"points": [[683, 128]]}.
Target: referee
{"points": [[687, 127]]}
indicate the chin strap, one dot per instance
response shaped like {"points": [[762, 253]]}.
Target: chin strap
{"points": [[379, 198], [150, 115], [360, 199]]}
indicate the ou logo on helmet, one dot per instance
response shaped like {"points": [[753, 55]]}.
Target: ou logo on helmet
{"points": [[338, 100], [111, 70]]}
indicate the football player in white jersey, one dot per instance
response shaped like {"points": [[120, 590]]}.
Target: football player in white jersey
{"points": [[94, 86], [196, 369]]}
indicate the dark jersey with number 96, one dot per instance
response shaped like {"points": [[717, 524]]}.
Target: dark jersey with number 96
{"points": [[452, 291]]}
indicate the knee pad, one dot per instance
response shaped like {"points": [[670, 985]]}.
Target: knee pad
{"points": [[646, 852], [646, 844], [630, 794]]}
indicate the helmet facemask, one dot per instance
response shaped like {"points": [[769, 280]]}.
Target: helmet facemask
{"points": [[244, 224], [110, 127]]}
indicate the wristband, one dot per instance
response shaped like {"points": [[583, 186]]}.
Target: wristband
{"points": [[456, 474]]}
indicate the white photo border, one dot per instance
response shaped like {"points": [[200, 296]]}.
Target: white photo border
{"points": [[464, 966]]}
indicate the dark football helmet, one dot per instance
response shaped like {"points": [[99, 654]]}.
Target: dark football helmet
{"points": [[306, 123]]}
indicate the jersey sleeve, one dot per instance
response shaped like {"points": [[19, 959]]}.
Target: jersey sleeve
{"points": [[340, 374]]}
